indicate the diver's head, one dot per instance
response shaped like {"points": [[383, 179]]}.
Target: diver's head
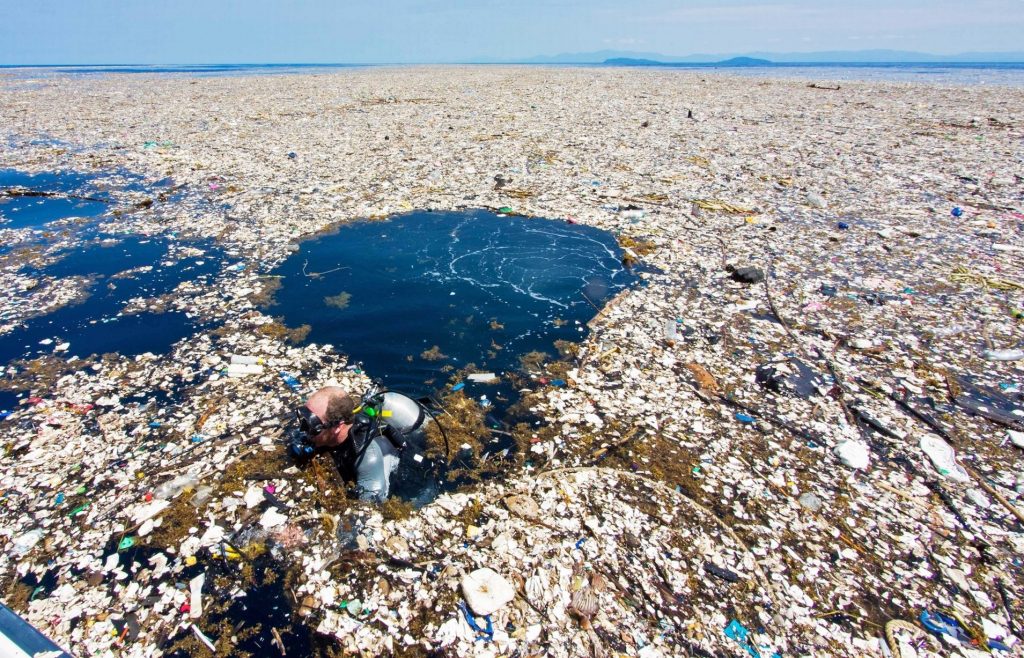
{"points": [[326, 417]]}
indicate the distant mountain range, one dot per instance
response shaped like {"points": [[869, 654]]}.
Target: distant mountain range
{"points": [[732, 62], [825, 56]]}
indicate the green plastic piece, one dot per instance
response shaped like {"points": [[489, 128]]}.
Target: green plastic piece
{"points": [[126, 543]]}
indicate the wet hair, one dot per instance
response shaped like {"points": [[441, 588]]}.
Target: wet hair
{"points": [[340, 409]]}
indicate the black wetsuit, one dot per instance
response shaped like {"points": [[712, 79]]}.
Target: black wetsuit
{"points": [[369, 456]]}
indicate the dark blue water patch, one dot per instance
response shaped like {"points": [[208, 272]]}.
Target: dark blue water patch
{"points": [[118, 271], [87, 195], [133, 266], [60, 181], [9, 401], [103, 257], [127, 335], [29, 211], [197, 70], [479, 288]]}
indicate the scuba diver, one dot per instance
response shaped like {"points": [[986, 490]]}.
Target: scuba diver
{"points": [[367, 436]]}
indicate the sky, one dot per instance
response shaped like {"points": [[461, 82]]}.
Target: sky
{"points": [[418, 31]]}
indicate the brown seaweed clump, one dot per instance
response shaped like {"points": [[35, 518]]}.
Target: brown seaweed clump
{"points": [[635, 249], [339, 301], [277, 330], [533, 361], [463, 425], [266, 296], [433, 354]]}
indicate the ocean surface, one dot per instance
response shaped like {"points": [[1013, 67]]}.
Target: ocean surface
{"points": [[423, 295], [999, 74], [950, 74]]}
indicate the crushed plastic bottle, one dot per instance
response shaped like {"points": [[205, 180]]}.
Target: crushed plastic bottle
{"points": [[943, 457], [292, 382], [242, 360], [810, 502], [174, 487], [1003, 355], [27, 541]]}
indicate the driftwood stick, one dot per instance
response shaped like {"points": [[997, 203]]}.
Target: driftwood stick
{"points": [[315, 275], [840, 384], [983, 483], [16, 192], [945, 434]]}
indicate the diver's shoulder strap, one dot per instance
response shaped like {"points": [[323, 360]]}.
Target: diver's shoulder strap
{"points": [[395, 436]]}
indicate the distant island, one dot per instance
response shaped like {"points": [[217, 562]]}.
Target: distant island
{"points": [[745, 61], [734, 61], [775, 58]]}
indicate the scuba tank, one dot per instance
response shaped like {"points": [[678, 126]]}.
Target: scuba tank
{"points": [[407, 416], [402, 421]]}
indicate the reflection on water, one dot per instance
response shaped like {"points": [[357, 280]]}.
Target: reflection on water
{"points": [[420, 295]]}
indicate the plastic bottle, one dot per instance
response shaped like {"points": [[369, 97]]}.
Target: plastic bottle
{"points": [[172, 488], [239, 359], [1003, 355], [292, 382], [24, 543], [243, 369]]}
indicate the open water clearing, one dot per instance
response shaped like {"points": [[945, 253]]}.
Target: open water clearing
{"points": [[420, 298]]}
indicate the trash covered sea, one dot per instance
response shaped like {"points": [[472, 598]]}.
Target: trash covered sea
{"points": [[471, 301], [103, 288], [799, 434]]}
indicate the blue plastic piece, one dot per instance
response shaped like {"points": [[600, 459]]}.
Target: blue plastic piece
{"points": [[487, 632], [843, 226], [459, 386], [744, 418], [738, 632], [941, 624], [292, 382], [558, 382], [957, 211]]}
